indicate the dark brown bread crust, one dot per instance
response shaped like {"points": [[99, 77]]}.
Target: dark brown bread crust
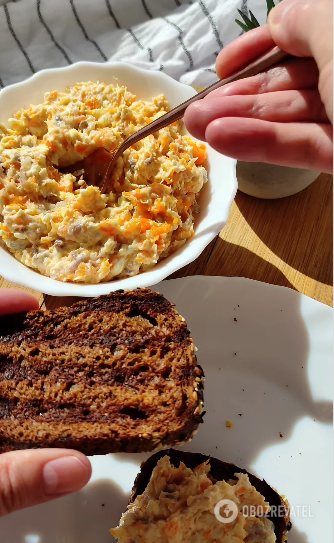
{"points": [[220, 471], [109, 374]]}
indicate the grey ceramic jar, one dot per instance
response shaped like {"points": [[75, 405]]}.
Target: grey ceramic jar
{"points": [[268, 181]]}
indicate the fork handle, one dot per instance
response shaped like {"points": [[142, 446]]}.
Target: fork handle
{"points": [[268, 59], [261, 63]]}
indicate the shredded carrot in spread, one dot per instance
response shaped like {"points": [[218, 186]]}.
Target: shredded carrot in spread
{"points": [[54, 223]]}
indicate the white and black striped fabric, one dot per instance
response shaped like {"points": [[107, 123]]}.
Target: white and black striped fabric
{"points": [[180, 37]]}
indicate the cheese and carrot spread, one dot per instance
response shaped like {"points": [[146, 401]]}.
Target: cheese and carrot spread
{"points": [[178, 507], [56, 224]]}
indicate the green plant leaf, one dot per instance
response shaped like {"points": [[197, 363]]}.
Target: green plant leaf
{"points": [[242, 25], [252, 22], [270, 6], [254, 19], [247, 21]]}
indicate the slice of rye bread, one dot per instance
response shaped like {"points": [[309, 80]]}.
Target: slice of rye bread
{"points": [[116, 373], [219, 471]]}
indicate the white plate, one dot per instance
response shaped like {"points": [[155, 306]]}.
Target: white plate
{"points": [[273, 365], [215, 199]]}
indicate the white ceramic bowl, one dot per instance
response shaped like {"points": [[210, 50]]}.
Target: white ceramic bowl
{"points": [[216, 196]]}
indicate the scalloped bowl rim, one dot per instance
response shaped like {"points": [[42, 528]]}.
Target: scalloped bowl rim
{"points": [[216, 196]]}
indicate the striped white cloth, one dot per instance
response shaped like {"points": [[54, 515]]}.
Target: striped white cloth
{"points": [[180, 37]]}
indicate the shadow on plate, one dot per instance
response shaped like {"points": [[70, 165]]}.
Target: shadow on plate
{"points": [[254, 347], [83, 517], [256, 368]]}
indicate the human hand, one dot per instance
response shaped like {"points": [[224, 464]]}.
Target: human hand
{"points": [[35, 476], [283, 116]]}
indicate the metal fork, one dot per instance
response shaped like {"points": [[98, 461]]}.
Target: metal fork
{"points": [[98, 166]]}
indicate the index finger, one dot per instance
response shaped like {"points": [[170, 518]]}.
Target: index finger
{"points": [[241, 51], [15, 301]]}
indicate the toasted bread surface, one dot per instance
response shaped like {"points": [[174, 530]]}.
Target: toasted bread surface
{"points": [[108, 374]]}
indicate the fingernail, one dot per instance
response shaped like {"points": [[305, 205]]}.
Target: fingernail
{"points": [[66, 474], [276, 15]]}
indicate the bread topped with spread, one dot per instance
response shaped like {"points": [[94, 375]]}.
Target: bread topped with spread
{"points": [[178, 496], [117, 373]]}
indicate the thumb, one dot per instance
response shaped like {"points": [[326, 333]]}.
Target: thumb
{"points": [[36, 476], [304, 28]]}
